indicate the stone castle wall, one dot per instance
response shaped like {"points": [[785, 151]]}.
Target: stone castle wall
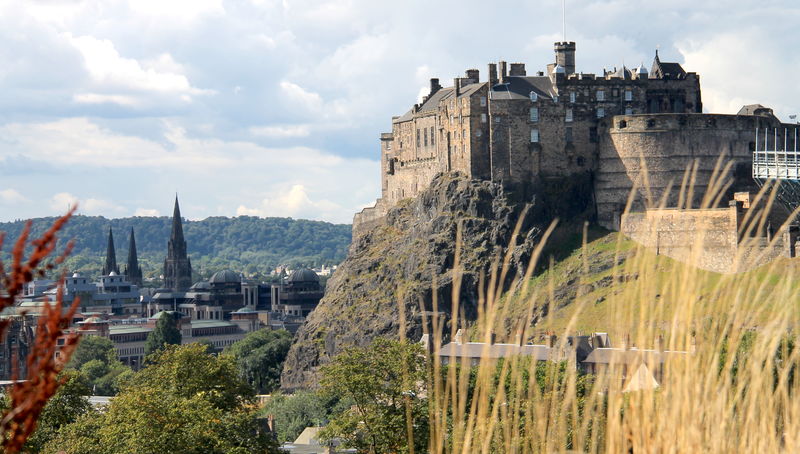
{"points": [[653, 152]]}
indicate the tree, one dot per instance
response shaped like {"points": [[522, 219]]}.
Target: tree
{"points": [[260, 356], [65, 407], [185, 401], [295, 412], [385, 382], [92, 348], [166, 332]]}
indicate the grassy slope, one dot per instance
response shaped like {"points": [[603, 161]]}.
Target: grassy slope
{"points": [[608, 286]]}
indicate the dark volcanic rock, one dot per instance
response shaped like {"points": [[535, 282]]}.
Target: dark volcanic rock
{"points": [[391, 270]]}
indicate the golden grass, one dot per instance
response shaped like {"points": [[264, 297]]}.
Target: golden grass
{"points": [[711, 400]]}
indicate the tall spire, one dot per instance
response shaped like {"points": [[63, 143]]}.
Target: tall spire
{"points": [[132, 270], [111, 256], [177, 267], [177, 224]]}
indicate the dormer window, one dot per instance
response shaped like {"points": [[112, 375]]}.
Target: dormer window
{"points": [[534, 96]]}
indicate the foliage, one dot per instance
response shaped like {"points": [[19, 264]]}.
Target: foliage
{"points": [[385, 382], [97, 359], [250, 244], [68, 403], [28, 398], [260, 356], [185, 401], [295, 412], [165, 333]]}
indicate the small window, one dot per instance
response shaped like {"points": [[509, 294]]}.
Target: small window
{"points": [[572, 97], [425, 137], [601, 95], [581, 161], [478, 133], [463, 133], [651, 123], [601, 112], [497, 119], [628, 95], [555, 99], [628, 111], [483, 118], [534, 114], [418, 140], [568, 118], [433, 135], [534, 136], [615, 92], [622, 124], [483, 101], [534, 96], [568, 135]]}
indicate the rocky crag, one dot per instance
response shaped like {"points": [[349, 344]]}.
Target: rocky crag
{"points": [[391, 270]]}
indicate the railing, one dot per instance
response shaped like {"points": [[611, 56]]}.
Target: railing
{"points": [[784, 165]]}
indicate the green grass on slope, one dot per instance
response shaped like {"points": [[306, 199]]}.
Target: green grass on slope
{"points": [[613, 285]]}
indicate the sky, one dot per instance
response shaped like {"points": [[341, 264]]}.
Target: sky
{"points": [[274, 107]]}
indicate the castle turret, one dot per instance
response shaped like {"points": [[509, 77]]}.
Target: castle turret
{"points": [[111, 256], [132, 270], [177, 267], [565, 56]]}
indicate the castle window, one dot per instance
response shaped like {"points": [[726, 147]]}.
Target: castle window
{"points": [[628, 95], [601, 95], [622, 124], [651, 123], [568, 135], [568, 118], [628, 111], [534, 114], [483, 101], [478, 133], [534, 96], [425, 136], [418, 142], [534, 136], [601, 112], [483, 118], [463, 133], [572, 97], [433, 135]]}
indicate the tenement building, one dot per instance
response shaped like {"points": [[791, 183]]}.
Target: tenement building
{"points": [[540, 133]]}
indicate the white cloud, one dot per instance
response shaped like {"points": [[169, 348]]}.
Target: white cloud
{"points": [[12, 196], [176, 10], [281, 131], [146, 212], [307, 100], [109, 69], [63, 201], [293, 202]]}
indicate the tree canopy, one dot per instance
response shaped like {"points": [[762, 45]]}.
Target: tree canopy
{"points": [[260, 356], [185, 401], [166, 332], [245, 243]]}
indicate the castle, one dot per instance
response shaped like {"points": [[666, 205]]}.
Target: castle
{"points": [[541, 134]]}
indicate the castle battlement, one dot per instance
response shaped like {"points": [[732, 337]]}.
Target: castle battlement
{"points": [[534, 132]]}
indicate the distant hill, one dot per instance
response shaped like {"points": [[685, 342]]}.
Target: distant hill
{"points": [[248, 244]]}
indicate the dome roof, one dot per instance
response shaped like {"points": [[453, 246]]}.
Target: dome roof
{"points": [[113, 273], [303, 275], [225, 277], [641, 70], [623, 73], [94, 320], [76, 274], [244, 310]]}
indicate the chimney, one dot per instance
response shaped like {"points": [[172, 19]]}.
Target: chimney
{"points": [[457, 85], [458, 337], [434, 86], [517, 69], [503, 73], [492, 74], [474, 75]]}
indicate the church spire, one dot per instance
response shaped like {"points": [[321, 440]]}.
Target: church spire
{"points": [[132, 270], [177, 224], [111, 256], [177, 267]]}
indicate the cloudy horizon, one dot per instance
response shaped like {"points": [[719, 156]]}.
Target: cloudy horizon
{"points": [[274, 108]]}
